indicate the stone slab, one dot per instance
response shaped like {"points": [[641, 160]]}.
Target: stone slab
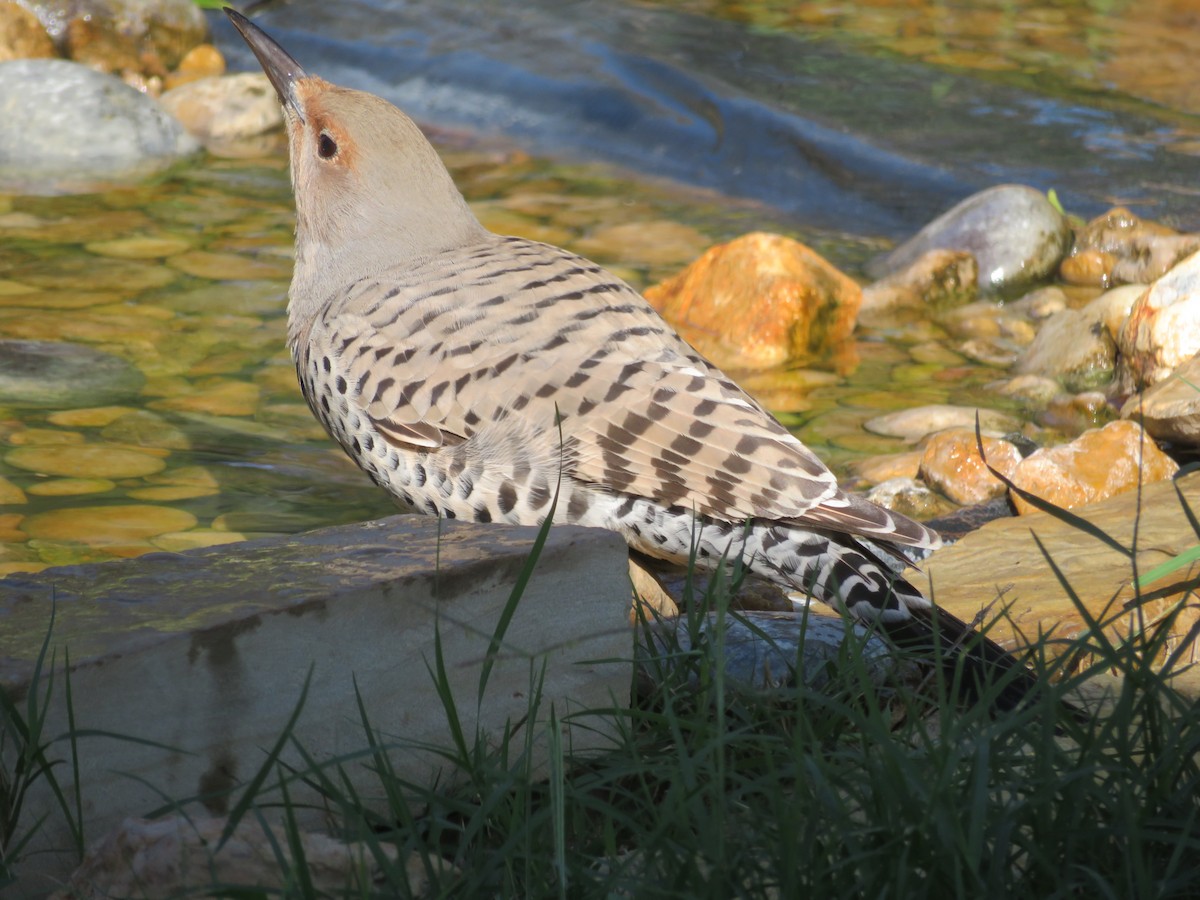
{"points": [[207, 651], [999, 573]]}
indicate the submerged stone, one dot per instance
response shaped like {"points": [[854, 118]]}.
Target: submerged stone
{"points": [[1015, 233], [58, 374]]}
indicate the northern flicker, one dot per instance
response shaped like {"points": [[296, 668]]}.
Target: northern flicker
{"points": [[477, 377]]}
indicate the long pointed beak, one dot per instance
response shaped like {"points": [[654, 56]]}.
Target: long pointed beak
{"points": [[281, 69]]}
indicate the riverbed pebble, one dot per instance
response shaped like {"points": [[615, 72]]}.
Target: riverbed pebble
{"points": [[1098, 464], [952, 465], [759, 301], [915, 423], [118, 529], [85, 461], [1014, 232], [1170, 410], [937, 279], [1163, 327], [1121, 248]]}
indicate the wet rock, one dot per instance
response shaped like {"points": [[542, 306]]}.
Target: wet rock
{"points": [[951, 464], [202, 61], [936, 279], [21, 34], [57, 374], [1074, 413], [10, 494], [229, 266], [218, 398], [913, 424], [139, 247], [71, 487], [1015, 234], [1006, 559], [85, 461], [909, 497], [878, 469], [1079, 346], [761, 649], [80, 129], [223, 111], [117, 530], [1163, 327], [1098, 464], [1119, 248], [1040, 304], [759, 301], [659, 242], [147, 37], [1036, 390], [1170, 411]]}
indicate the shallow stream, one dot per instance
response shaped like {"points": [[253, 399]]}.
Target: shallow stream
{"points": [[637, 135]]}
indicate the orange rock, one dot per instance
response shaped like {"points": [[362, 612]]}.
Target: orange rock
{"points": [[951, 464], [1119, 248], [22, 35], [761, 300], [202, 61], [1098, 464]]}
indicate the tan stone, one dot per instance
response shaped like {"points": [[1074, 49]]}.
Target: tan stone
{"points": [[10, 494], [940, 278], [951, 464], [228, 266], [202, 61], [225, 109], [878, 469], [35, 437], [115, 528], [1096, 465], [1170, 411], [92, 417], [1119, 248], [659, 242], [1000, 572], [1163, 327], [71, 487], [223, 398], [761, 300], [85, 461], [139, 247], [178, 541], [22, 35]]}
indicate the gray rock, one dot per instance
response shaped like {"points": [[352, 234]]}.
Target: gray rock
{"points": [[766, 650], [1014, 232], [80, 129], [913, 424], [1170, 410], [61, 375], [1079, 346]]}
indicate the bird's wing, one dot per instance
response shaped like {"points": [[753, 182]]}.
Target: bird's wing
{"points": [[443, 353]]}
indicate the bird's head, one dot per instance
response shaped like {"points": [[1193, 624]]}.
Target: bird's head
{"points": [[371, 192]]}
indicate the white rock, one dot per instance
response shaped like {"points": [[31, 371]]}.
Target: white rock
{"points": [[79, 129]]}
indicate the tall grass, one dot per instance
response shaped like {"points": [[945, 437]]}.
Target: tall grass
{"points": [[706, 789]]}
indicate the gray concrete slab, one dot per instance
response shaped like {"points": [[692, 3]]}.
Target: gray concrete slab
{"points": [[207, 651]]}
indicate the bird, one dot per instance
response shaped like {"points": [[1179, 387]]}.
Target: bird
{"points": [[493, 378]]}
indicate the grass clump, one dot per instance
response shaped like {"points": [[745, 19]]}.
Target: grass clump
{"points": [[708, 789]]}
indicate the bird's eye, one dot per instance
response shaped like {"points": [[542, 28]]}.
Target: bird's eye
{"points": [[327, 147]]}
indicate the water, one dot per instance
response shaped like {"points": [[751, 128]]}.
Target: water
{"points": [[185, 278]]}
